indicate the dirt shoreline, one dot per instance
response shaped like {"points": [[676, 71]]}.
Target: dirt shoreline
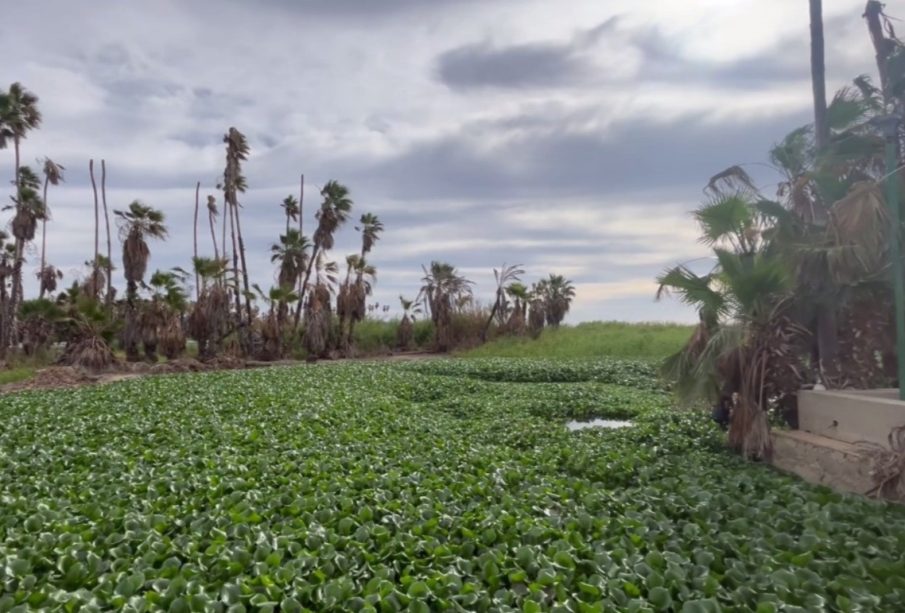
{"points": [[67, 377]]}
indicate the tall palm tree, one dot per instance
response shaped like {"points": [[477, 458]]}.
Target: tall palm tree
{"points": [[291, 253], [29, 210], [47, 277], [19, 115], [97, 226], [351, 302], [291, 209], [520, 295], [818, 75], [334, 212], [234, 183], [405, 333], [371, 228], [443, 288], [504, 276], [558, 295], [137, 224]]}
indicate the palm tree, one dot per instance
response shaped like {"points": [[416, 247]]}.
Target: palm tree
{"points": [[19, 115], [47, 276], [29, 210], [558, 296], [334, 212], [503, 276], [744, 346], [97, 221], [234, 183], [169, 302], [291, 209], [138, 223], [351, 303], [292, 255], [208, 321], [318, 316], [371, 228], [405, 333], [443, 288], [274, 329], [520, 295], [537, 314]]}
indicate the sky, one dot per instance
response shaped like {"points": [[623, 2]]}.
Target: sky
{"points": [[572, 137]]}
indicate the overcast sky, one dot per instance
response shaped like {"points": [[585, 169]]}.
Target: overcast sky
{"points": [[570, 137]]}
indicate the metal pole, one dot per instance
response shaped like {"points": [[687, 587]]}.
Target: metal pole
{"points": [[890, 127]]}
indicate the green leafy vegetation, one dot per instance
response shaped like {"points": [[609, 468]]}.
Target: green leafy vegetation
{"points": [[13, 375], [442, 485], [593, 340]]}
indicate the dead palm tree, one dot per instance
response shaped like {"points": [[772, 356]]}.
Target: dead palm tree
{"points": [[334, 212], [48, 276], [351, 303], [208, 321], [537, 314], [318, 315], [137, 224], [520, 296]]}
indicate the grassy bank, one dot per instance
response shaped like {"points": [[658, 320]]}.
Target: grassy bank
{"points": [[592, 340]]}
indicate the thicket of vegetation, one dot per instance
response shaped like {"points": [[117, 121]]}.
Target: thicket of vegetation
{"points": [[313, 308], [456, 487], [801, 287]]}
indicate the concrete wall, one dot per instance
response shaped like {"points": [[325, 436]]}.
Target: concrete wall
{"points": [[850, 415], [823, 461]]}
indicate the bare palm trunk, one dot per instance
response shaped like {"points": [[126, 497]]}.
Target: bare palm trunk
{"points": [[298, 308], [16, 293], [108, 300], [245, 286], [883, 47], [210, 218], [43, 242], [818, 75], [195, 237], [97, 229], [232, 231]]}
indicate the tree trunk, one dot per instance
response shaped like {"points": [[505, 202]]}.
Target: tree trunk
{"points": [[298, 308], [43, 242], [15, 294], [108, 300], [97, 224], [195, 237], [245, 285], [131, 333], [873, 12], [210, 219], [232, 232], [818, 76]]}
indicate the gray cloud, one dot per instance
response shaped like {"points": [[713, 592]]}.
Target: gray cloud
{"points": [[531, 65], [633, 155]]}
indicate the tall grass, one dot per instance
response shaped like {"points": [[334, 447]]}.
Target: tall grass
{"points": [[374, 336], [592, 340]]}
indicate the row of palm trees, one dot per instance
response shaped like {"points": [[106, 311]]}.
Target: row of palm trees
{"points": [[313, 304]]}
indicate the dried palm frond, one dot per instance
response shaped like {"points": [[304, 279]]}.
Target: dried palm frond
{"points": [[732, 180], [405, 333], [887, 466]]}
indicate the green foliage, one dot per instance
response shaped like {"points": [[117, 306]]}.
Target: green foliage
{"points": [[593, 340], [443, 485], [13, 375]]}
